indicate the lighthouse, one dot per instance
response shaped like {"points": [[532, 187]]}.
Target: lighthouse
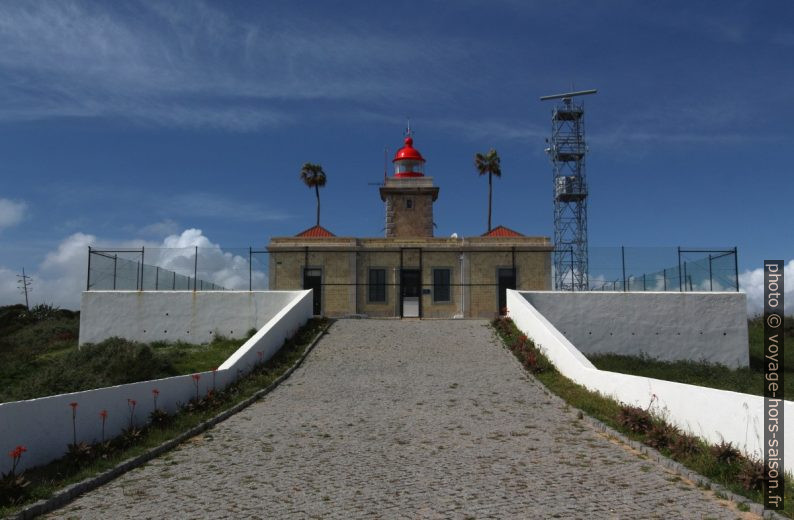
{"points": [[410, 273], [409, 195]]}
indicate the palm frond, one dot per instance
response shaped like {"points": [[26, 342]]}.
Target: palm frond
{"points": [[488, 163], [313, 175]]}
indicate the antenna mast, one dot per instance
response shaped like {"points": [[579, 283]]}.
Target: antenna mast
{"points": [[567, 151]]}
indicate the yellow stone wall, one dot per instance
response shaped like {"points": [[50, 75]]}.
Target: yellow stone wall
{"points": [[402, 221], [345, 264]]}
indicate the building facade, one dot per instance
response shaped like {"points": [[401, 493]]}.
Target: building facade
{"points": [[409, 272]]}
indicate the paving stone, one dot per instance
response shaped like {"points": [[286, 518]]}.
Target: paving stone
{"points": [[403, 419]]}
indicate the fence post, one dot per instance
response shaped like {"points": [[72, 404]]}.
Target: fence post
{"points": [[680, 278], [173, 288], [643, 282], [736, 266], [711, 282], [142, 267], [664, 277], [623, 261], [137, 275], [250, 285], [157, 278], [686, 277], [88, 274], [115, 261], [195, 269]]}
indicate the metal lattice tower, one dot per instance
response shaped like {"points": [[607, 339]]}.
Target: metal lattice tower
{"points": [[567, 150]]}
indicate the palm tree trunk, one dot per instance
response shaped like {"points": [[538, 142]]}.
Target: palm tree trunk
{"points": [[317, 191], [490, 193]]}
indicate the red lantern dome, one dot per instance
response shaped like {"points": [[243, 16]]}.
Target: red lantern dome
{"points": [[408, 162]]}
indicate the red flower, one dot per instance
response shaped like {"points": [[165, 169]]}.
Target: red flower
{"points": [[155, 392], [103, 414], [73, 405], [132, 402], [17, 452], [196, 377]]}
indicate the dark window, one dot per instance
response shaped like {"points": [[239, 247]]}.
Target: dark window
{"points": [[409, 203], [377, 285], [441, 285]]}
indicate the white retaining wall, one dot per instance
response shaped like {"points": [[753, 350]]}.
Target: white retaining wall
{"points": [[193, 317], [714, 415], [44, 426], [710, 326]]}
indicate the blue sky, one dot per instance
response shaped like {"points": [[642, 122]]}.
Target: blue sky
{"points": [[126, 123]]}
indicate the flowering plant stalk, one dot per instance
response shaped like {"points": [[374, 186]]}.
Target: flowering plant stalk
{"points": [[16, 456], [196, 378], [131, 405], [74, 423], [103, 415]]}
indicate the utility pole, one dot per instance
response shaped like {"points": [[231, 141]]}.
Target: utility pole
{"points": [[25, 282]]}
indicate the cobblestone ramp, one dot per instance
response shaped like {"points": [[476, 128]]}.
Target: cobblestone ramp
{"points": [[403, 419]]}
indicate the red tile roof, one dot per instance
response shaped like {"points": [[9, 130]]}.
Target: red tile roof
{"points": [[501, 231], [315, 232]]}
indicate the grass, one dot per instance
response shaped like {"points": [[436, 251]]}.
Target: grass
{"points": [[699, 456], [39, 356], [46, 480], [749, 380]]}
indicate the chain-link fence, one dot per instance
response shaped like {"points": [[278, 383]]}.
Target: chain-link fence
{"points": [[213, 268], [674, 269], [165, 269]]}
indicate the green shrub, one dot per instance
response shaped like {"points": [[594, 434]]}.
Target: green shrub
{"points": [[635, 419], [686, 446], [726, 452], [752, 475], [662, 435]]}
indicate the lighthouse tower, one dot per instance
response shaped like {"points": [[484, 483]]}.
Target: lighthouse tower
{"points": [[409, 195]]}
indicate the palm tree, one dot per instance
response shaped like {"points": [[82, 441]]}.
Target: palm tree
{"points": [[313, 176], [488, 163]]}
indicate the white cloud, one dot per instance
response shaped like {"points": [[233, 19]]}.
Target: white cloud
{"points": [[191, 64], [61, 277], [11, 212], [752, 283], [177, 253], [162, 228]]}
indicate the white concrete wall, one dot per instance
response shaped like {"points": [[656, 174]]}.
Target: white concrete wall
{"points": [[268, 339], [44, 425], [193, 317], [714, 415], [710, 326]]}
